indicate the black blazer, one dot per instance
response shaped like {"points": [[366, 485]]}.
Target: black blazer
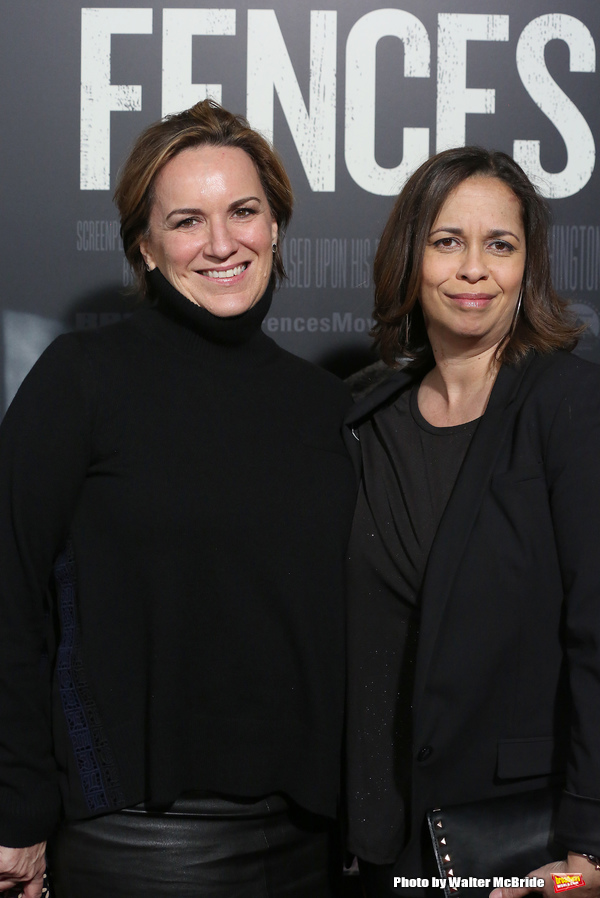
{"points": [[507, 681]]}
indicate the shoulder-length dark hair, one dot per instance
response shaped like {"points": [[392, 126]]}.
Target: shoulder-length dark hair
{"points": [[544, 323], [205, 124]]}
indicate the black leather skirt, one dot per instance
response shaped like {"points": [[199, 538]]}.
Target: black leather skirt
{"points": [[206, 847]]}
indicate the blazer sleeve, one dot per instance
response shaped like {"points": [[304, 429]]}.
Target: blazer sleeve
{"points": [[573, 473], [44, 452]]}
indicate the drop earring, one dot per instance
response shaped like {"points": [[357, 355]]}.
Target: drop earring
{"points": [[516, 315], [519, 301], [406, 329]]}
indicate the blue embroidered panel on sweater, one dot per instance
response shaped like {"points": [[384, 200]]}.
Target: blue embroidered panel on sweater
{"points": [[94, 757]]}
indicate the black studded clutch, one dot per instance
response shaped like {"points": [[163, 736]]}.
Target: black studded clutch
{"points": [[480, 844]]}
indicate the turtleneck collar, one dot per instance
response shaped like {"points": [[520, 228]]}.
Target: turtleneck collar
{"points": [[229, 331]]}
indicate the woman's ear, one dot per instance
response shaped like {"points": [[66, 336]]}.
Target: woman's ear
{"points": [[147, 255]]}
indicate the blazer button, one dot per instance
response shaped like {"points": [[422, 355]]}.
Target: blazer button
{"points": [[425, 753]]}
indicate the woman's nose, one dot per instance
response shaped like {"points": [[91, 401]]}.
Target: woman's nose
{"points": [[473, 265], [222, 242]]}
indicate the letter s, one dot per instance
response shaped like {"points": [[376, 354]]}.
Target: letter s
{"points": [[554, 103]]}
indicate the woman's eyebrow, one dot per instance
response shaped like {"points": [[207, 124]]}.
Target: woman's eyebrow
{"points": [[245, 199], [184, 212], [496, 232], [196, 211]]}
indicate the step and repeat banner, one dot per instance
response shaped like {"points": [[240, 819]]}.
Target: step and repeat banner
{"points": [[354, 96]]}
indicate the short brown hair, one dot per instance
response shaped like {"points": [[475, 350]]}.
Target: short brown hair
{"points": [[206, 123], [544, 323]]}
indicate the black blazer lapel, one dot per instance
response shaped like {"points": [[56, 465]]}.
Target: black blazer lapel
{"points": [[461, 512], [365, 408]]}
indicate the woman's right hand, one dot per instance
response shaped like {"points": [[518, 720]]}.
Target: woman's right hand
{"points": [[23, 868]]}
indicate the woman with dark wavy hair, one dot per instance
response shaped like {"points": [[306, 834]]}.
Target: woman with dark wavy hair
{"points": [[175, 500], [474, 625]]}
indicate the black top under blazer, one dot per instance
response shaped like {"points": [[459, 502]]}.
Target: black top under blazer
{"points": [[507, 679]]}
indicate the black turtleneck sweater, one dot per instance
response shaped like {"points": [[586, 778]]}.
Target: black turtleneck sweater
{"points": [[175, 501]]}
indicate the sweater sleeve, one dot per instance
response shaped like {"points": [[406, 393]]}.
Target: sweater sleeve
{"points": [[44, 453], [573, 471]]}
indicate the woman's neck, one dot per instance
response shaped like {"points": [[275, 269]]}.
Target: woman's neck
{"points": [[458, 388]]}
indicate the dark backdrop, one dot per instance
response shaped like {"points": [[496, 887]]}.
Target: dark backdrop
{"points": [[355, 95]]}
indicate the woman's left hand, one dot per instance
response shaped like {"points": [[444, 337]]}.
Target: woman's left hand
{"points": [[576, 865]]}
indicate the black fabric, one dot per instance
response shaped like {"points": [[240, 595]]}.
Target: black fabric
{"points": [[506, 668], [187, 480], [200, 329], [199, 848], [410, 468]]}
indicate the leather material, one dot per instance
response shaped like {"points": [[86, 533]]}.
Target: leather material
{"points": [[507, 836], [202, 847]]}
